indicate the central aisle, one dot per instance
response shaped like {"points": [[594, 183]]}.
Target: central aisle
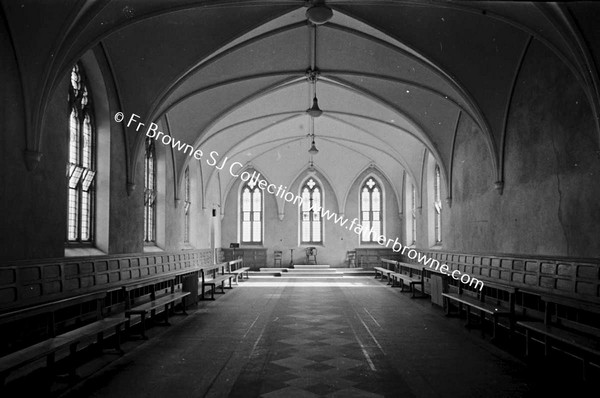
{"points": [[350, 337]]}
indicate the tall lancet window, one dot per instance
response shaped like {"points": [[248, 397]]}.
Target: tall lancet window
{"points": [[311, 224], [371, 211], [437, 204], [150, 192], [81, 167], [186, 206], [413, 214], [252, 209]]}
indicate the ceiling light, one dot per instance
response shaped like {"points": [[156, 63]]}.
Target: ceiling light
{"points": [[314, 110], [313, 148]]}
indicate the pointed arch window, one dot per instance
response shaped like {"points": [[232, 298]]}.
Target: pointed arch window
{"points": [[437, 204], [186, 206], [81, 167], [252, 213], [150, 192], [371, 210], [413, 214], [311, 229]]}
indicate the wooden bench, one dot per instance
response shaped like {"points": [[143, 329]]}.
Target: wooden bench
{"points": [[96, 331], [558, 331], [148, 304], [238, 272], [385, 269], [484, 305], [406, 274], [210, 279]]}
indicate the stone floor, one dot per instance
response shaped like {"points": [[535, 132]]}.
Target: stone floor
{"points": [[349, 337]]}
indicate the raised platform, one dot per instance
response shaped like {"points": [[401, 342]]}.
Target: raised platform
{"points": [[313, 271]]}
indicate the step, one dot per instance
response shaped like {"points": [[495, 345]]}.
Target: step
{"points": [[315, 270], [310, 266], [312, 275], [271, 270]]}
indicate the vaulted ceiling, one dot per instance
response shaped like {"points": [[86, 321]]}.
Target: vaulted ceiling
{"points": [[394, 77]]}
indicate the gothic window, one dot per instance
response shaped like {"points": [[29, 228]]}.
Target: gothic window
{"points": [[252, 212], [413, 214], [371, 211], [437, 205], [150, 192], [310, 221], [186, 206], [81, 166]]}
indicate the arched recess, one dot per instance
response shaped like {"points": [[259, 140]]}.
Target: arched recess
{"points": [[301, 176], [301, 180], [99, 86], [358, 181], [234, 180]]}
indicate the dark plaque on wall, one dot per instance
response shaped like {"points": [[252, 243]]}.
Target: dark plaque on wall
{"points": [[234, 245]]}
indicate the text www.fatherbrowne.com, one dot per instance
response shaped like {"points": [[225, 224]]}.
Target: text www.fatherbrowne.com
{"points": [[282, 192]]}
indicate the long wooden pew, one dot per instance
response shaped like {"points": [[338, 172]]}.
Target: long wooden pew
{"points": [[95, 331], [558, 332]]}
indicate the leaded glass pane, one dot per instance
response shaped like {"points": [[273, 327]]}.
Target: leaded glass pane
{"points": [[257, 200], [366, 206], [85, 216], [376, 197], [316, 231], [246, 200], [376, 228], [305, 199], [316, 199], [365, 231], [306, 231], [256, 231], [73, 214], [246, 231]]}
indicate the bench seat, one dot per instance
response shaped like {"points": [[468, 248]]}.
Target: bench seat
{"points": [[585, 343], [93, 329], [382, 271], [484, 308], [488, 308], [160, 304], [46, 348], [71, 339], [239, 273], [211, 279], [399, 279]]}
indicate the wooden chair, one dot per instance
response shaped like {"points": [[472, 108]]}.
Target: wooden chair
{"points": [[351, 258], [311, 252], [278, 256]]}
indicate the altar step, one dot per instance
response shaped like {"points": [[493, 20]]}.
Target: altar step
{"points": [[311, 266], [312, 271]]}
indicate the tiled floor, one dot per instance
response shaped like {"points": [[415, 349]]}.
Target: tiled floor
{"points": [[348, 337]]}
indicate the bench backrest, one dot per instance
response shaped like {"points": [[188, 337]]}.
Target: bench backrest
{"points": [[213, 269], [386, 263], [49, 307], [49, 318], [411, 269]]}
